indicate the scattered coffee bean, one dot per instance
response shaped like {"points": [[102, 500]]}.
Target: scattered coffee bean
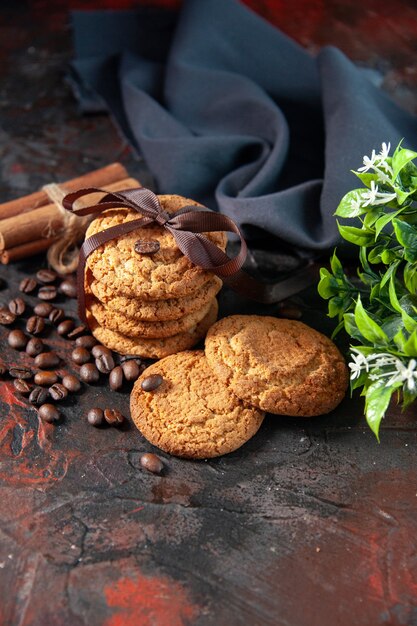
{"points": [[71, 382], [116, 378], [48, 292], [89, 373], [17, 306], [58, 392], [46, 276], [56, 316], [113, 417], [131, 370], [34, 347], [48, 413], [151, 382], [79, 330], [80, 355], [147, 247], [45, 378], [68, 288], [61, 373], [105, 363], [22, 386], [6, 317], [45, 360], [38, 395], [151, 462], [86, 341], [43, 309], [99, 350], [95, 416], [20, 371], [35, 325], [17, 339], [27, 285], [65, 327]]}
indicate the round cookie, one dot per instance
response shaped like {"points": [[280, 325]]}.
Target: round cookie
{"points": [[134, 328], [165, 274], [156, 310], [281, 366], [191, 414], [153, 348]]}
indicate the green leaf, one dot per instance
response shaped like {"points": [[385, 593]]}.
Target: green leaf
{"points": [[358, 236], [336, 266], [367, 326], [366, 177], [410, 277], [328, 285], [390, 272], [407, 237], [410, 346], [371, 217], [409, 323], [349, 205], [377, 399], [400, 158], [384, 220]]}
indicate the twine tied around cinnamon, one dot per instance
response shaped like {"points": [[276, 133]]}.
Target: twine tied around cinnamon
{"points": [[63, 253]]}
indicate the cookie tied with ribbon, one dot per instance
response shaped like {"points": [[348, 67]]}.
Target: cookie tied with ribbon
{"points": [[187, 226]]}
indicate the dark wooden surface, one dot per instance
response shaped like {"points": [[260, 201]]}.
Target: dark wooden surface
{"points": [[311, 523]]}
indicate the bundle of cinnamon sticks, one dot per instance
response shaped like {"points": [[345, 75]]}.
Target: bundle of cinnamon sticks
{"points": [[29, 225]]}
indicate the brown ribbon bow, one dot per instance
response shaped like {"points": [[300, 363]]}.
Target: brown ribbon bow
{"points": [[186, 226]]}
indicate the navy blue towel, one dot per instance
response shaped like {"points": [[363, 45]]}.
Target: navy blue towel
{"points": [[229, 111]]}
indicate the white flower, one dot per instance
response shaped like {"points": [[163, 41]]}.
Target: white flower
{"points": [[384, 152], [356, 204], [368, 163], [405, 374], [374, 197], [358, 364]]}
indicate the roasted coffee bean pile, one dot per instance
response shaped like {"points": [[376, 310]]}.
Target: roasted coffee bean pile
{"points": [[43, 377]]}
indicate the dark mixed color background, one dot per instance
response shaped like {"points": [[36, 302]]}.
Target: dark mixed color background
{"points": [[311, 523]]}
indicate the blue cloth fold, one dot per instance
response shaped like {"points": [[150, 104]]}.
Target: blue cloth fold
{"points": [[229, 111]]}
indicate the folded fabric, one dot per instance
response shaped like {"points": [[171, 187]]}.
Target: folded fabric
{"points": [[229, 111]]}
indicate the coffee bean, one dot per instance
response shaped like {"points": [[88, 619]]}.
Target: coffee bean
{"points": [[48, 413], [43, 309], [6, 317], [3, 369], [80, 355], [95, 417], [45, 360], [35, 325], [99, 350], [89, 373], [79, 330], [20, 371], [27, 285], [147, 247], [151, 382], [61, 373], [56, 316], [17, 339], [65, 327], [68, 288], [86, 341], [35, 346], [116, 378], [71, 382], [113, 417], [17, 306], [131, 370], [58, 392], [45, 378], [22, 386], [38, 395], [151, 462], [46, 276], [48, 292], [105, 363]]}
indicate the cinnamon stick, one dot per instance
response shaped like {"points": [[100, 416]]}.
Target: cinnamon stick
{"points": [[97, 178], [45, 222], [26, 250]]}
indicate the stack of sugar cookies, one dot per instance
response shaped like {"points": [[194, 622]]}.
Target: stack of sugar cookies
{"points": [[144, 297], [199, 404]]}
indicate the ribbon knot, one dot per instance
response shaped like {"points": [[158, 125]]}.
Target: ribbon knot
{"points": [[187, 226]]}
